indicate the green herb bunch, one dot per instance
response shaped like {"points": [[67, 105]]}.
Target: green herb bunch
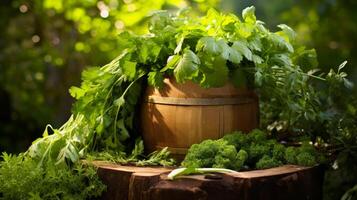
{"points": [[239, 151], [22, 178]]}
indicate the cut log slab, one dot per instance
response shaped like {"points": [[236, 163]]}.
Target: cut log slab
{"points": [[151, 183]]}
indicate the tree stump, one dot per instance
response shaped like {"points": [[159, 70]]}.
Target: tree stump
{"points": [[151, 183]]}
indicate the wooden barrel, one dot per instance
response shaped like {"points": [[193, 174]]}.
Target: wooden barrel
{"points": [[180, 115]]}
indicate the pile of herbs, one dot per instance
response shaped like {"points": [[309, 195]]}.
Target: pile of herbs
{"points": [[210, 51], [21, 177], [241, 151]]}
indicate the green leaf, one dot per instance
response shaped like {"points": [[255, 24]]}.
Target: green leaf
{"points": [[257, 59], [149, 51], [218, 77], [91, 73], [138, 149], [100, 127], [281, 60], [242, 48], [187, 67], [306, 59], [69, 152], [245, 30], [144, 53], [179, 45], [155, 52], [159, 20], [280, 43], [342, 65], [213, 14], [234, 56], [209, 45], [288, 32], [171, 63], [248, 15], [228, 53], [229, 21], [129, 69], [255, 44], [156, 79], [223, 48], [76, 92], [103, 122]]}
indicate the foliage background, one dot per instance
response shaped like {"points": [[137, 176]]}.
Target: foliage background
{"points": [[45, 44]]}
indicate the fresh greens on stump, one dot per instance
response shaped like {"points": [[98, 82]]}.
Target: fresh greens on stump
{"points": [[210, 51]]}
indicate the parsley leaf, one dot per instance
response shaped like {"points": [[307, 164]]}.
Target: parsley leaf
{"points": [[249, 15], [242, 48], [187, 67], [156, 79]]}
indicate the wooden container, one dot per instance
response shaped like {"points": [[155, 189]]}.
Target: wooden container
{"points": [[180, 115]]}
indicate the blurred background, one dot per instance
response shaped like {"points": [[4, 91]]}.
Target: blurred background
{"points": [[45, 44]]}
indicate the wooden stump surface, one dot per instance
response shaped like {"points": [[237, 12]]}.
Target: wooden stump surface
{"points": [[150, 183]]}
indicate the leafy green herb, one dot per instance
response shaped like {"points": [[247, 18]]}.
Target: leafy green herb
{"points": [[249, 151], [22, 178], [187, 67], [216, 154], [156, 79], [160, 157]]}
